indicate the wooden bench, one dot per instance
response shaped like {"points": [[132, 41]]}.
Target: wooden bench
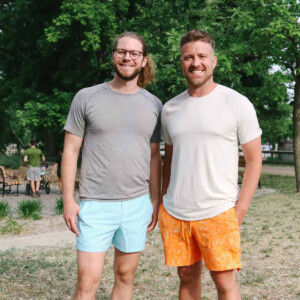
{"points": [[242, 164], [6, 182]]}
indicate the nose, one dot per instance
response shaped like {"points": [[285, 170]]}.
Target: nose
{"points": [[196, 61], [127, 56]]}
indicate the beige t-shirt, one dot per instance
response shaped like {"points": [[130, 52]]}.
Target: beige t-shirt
{"points": [[205, 133]]}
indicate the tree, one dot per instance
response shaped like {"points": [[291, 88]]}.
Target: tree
{"points": [[271, 31], [50, 49]]}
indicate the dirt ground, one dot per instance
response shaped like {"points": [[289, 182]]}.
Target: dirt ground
{"points": [[51, 230], [37, 262]]}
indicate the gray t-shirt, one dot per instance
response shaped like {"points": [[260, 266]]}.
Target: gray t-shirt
{"points": [[117, 131]]}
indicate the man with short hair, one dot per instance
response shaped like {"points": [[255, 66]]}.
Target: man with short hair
{"points": [[202, 207], [119, 122], [34, 156]]}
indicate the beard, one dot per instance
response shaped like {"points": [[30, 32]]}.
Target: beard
{"points": [[198, 82], [135, 73]]}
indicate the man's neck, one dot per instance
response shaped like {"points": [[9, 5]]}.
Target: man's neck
{"points": [[124, 86], [203, 90]]}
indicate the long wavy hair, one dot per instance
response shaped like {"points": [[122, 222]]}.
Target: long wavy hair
{"points": [[147, 74]]}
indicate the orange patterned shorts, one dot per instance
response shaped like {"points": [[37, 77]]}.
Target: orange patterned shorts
{"points": [[216, 240]]}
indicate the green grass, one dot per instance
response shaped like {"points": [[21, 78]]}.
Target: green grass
{"points": [[10, 226], [270, 237], [30, 209], [283, 184], [4, 209], [59, 206]]}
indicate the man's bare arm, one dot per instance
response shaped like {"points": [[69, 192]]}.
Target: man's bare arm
{"points": [[25, 158], [167, 168], [253, 158], [155, 182], [72, 147]]}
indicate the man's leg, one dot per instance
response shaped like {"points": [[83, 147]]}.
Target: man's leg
{"points": [[90, 269], [60, 184], [32, 184], [38, 185], [190, 282], [125, 266], [226, 285]]}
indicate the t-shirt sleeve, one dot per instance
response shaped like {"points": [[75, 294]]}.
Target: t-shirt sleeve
{"points": [[248, 127], [157, 130], [75, 123], [165, 133]]}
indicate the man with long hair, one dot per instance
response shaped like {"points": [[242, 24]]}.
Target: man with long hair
{"points": [[119, 122], [202, 207]]}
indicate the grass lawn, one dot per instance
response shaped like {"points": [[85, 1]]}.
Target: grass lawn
{"points": [[270, 255]]}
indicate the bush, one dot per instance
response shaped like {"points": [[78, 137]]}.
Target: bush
{"points": [[4, 210], [278, 161], [59, 207], [13, 161], [30, 209]]}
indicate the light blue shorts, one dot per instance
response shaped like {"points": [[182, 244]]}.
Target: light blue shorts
{"points": [[121, 223]]}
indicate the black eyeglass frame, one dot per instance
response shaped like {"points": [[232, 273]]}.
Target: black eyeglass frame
{"points": [[130, 53]]}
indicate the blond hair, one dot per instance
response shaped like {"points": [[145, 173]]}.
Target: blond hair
{"points": [[197, 35]]}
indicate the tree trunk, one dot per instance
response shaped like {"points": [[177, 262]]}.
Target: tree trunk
{"points": [[50, 144], [296, 125]]}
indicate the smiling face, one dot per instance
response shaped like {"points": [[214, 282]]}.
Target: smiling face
{"points": [[198, 63], [127, 68]]}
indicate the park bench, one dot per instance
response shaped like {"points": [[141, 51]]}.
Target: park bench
{"points": [[7, 181], [242, 164]]}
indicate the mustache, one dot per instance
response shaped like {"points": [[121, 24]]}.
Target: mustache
{"points": [[191, 69]]}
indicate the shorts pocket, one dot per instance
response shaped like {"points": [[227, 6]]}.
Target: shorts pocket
{"points": [[150, 206], [82, 205], [235, 217]]}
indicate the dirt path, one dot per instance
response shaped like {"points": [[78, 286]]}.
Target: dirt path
{"points": [[48, 239], [276, 170], [51, 230]]}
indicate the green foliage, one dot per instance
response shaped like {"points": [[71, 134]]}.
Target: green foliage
{"points": [[30, 209], [278, 161], [59, 206], [283, 184], [4, 209], [67, 45], [13, 161], [10, 226]]}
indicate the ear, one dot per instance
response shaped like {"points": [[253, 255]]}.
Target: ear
{"points": [[145, 60], [214, 61]]}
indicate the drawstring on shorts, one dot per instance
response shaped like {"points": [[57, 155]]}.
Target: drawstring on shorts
{"points": [[189, 229]]}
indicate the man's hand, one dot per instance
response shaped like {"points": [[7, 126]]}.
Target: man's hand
{"points": [[240, 213], [71, 211], [153, 222]]}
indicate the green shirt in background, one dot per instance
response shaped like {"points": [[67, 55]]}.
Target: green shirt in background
{"points": [[35, 156]]}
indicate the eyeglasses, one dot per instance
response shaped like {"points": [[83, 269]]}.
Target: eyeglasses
{"points": [[134, 54]]}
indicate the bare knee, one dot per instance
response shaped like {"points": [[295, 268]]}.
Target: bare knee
{"points": [[86, 287], [225, 281], [124, 275], [189, 273]]}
